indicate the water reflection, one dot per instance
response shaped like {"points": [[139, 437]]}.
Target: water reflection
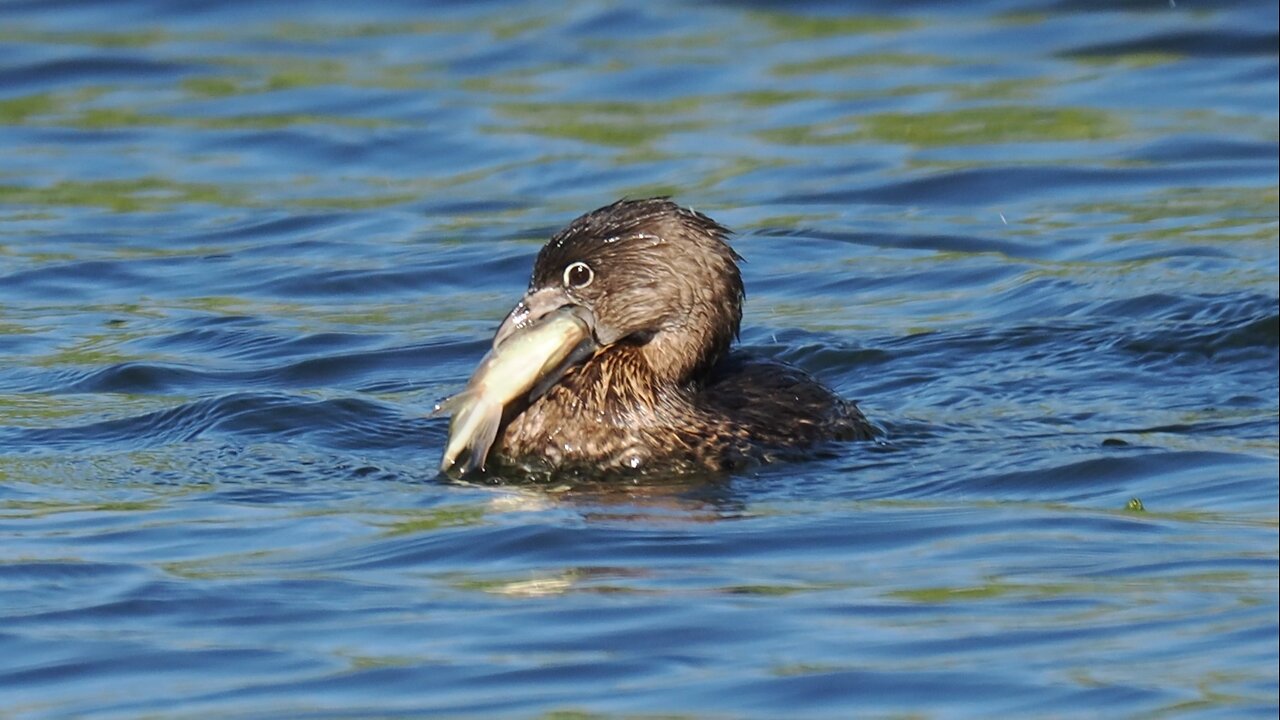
{"points": [[691, 497]]}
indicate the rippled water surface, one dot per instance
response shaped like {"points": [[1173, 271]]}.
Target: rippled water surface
{"points": [[244, 247]]}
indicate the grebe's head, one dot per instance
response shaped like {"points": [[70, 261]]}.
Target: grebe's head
{"points": [[647, 274]]}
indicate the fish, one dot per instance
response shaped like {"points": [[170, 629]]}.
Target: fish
{"points": [[522, 364]]}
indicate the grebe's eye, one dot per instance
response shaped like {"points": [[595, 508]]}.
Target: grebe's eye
{"points": [[578, 275]]}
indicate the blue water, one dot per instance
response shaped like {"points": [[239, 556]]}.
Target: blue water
{"points": [[245, 247]]}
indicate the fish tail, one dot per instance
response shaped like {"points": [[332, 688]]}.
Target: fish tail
{"points": [[472, 431]]}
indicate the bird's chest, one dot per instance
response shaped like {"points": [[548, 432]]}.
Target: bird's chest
{"points": [[606, 416], [564, 429]]}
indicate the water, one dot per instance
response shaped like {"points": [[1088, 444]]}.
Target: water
{"points": [[244, 248]]}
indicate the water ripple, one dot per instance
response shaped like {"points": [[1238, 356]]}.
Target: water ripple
{"points": [[245, 247]]}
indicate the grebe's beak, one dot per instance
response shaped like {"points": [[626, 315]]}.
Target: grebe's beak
{"points": [[533, 308]]}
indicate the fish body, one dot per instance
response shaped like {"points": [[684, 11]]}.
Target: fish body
{"points": [[522, 364]]}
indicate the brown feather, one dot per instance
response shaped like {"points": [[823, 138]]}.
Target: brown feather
{"points": [[664, 393]]}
